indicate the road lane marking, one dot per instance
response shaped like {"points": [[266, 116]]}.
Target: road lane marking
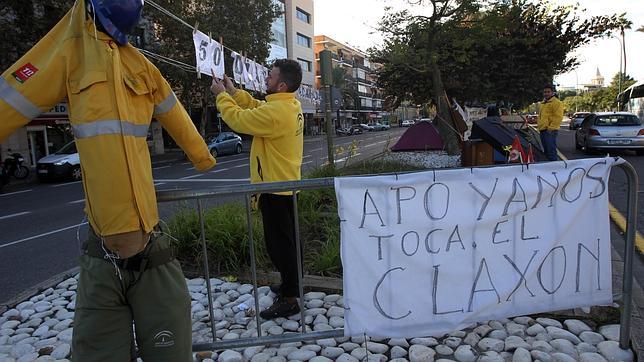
{"points": [[238, 166], [41, 235], [14, 215], [209, 180], [159, 183], [76, 202], [160, 167], [15, 193], [190, 177], [67, 184], [220, 170], [306, 163], [618, 218]]}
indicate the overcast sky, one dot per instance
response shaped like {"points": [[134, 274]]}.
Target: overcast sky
{"points": [[353, 22]]}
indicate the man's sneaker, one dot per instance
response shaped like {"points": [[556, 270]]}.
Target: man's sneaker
{"points": [[280, 308]]}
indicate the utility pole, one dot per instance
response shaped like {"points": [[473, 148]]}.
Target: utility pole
{"points": [[326, 72]]}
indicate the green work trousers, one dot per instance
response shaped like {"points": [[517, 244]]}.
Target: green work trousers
{"points": [[155, 300]]}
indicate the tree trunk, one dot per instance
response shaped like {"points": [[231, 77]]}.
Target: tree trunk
{"points": [[444, 122]]}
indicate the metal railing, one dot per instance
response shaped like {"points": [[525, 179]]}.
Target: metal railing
{"points": [[310, 184]]}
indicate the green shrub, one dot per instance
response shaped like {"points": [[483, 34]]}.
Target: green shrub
{"points": [[227, 235]]}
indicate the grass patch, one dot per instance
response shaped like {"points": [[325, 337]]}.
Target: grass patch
{"points": [[227, 235]]}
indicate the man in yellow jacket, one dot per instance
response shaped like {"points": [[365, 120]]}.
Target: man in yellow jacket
{"points": [[550, 116], [128, 271], [277, 127]]}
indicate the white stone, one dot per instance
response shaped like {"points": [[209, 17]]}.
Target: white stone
{"points": [[49, 342], [514, 342], [314, 295], [290, 325], [335, 312], [315, 303], [611, 351], [472, 339], [610, 332], [591, 357], [376, 358], [547, 322], [66, 335], [540, 355], [377, 348], [24, 305], [584, 347], [332, 352], [20, 350], [336, 322], [491, 344], [515, 329], [345, 357], [229, 336], [499, 334], [535, 329], [523, 320], [444, 350], [562, 357], [301, 355], [61, 351], [275, 330], [564, 346], [490, 356], [398, 352], [230, 356], [28, 340], [591, 337], [359, 353], [327, 342], [10, 325], [558, 333], [245, 289], [260, 357], [521, 355], [332, 298], [277, 359], [427, 341], [285, 351], [482, 330], [418, 353], [349, 346], [315, 311], [401, 342], [320, 359], [452, 342], [465, 353], [312, 347], [576, 326], [31, 357]]}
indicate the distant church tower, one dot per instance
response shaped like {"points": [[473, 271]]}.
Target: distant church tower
{"points": [[598, 80]]}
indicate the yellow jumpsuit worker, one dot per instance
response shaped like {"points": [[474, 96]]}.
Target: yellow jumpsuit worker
{"points": [[127, 270]]}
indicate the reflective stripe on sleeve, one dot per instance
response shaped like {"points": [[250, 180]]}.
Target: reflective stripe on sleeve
{"points": [[18, 101], [100, 128], [166, 105]]}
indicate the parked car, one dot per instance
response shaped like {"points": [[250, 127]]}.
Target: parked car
{"points": [[349, 131], [225, 143], [63, 164], [576, 119], [378, 126], [366, 127], [407, 123], [610, 130]]}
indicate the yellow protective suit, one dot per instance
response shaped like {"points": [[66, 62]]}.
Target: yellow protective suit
{"points": [[277, 126], [551, 114], [113, 94]]}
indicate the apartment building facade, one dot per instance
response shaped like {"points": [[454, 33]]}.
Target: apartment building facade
{"points": [[357, 99]]}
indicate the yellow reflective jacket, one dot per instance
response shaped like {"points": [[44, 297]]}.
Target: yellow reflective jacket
{"points": [[550, 114], [277, 127], [113, 93]]}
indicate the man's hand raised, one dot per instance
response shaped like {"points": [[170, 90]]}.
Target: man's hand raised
{"points": [[217, 86], [230, 87]]}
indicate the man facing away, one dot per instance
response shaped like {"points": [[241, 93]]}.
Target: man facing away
{"points": [[128, 272], [277, 128], [550, 117]]}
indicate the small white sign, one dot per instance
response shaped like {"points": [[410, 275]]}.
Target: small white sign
{"points": [[209, 54]]}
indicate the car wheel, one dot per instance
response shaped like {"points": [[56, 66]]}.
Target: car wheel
{"points": [[213, 152], [587, 150], [76, 173], [238, 149], [577, 145]]}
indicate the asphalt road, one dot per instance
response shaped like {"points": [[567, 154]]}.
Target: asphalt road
{"points": [[42, 224]]}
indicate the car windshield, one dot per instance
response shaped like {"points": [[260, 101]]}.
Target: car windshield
{"points": [[68, 149], [617, 120], [580, 115]]}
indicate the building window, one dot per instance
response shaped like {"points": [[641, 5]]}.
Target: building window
{"points": [[303, 40], [305, 64], [303, 15]]}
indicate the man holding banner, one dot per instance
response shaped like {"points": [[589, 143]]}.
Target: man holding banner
{"points": [[277, 127]]}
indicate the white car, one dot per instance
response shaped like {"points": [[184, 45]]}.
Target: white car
{"points": [[63, 164], [407, 123]]}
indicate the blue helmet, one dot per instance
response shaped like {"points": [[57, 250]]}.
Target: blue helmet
{"points": [[118, 17]]}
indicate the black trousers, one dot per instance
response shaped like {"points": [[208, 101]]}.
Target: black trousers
{"points": [[279, 235]]}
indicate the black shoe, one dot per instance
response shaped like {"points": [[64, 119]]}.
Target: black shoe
{"points": [[275, 288], [280, 308]]}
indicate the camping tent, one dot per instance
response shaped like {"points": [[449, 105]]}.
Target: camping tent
{"points": [[422, 136], [498, 135]]}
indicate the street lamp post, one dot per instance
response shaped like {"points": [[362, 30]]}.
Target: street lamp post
{"points": [[619, 80], [576, 89]]}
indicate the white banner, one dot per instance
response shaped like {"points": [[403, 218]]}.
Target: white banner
{"points": [[432, 252], [210, 55], [238, 67]]}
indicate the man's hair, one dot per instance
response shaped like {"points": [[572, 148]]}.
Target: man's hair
{"points": [[551, 87], [290, 73]]}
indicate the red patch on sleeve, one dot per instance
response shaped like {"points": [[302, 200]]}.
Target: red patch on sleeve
{"points": [[25, 72]]}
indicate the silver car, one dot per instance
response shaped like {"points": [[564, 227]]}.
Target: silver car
{"points": [[610, 130], [225, 143]]}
